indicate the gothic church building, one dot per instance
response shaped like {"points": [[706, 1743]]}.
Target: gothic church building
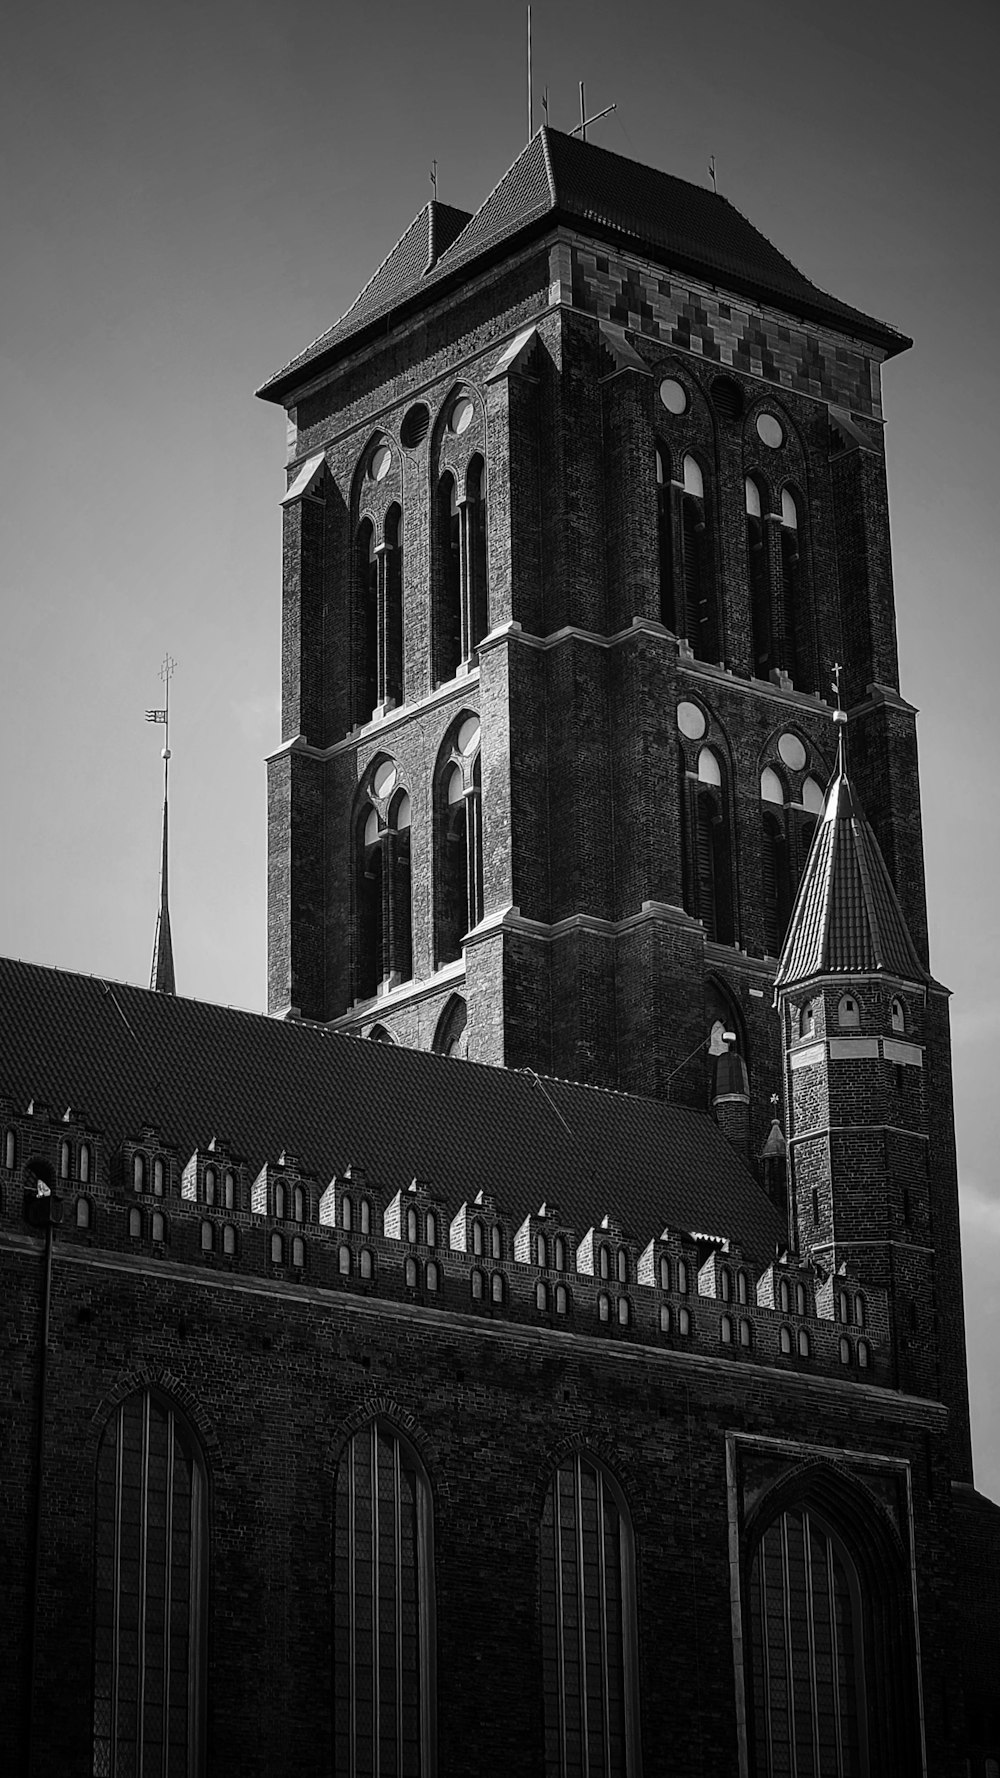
{"points": [[537, 1347]]}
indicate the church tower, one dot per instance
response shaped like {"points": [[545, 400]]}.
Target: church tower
{"points": [[873, 1189], [586, 492]]}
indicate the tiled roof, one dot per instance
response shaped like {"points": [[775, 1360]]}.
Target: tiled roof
{"points": [[847, 919], [123, 1057], [560, 177]]}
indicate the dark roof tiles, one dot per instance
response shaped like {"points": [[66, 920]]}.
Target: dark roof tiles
{"points": [[560, 177], [847, 919], [128, 1057]]}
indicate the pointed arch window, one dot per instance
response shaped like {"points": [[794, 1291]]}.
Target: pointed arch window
{"points": [[708, 876], [776, 879], [383, 1608], [701, 617], [664, 538], [759, 580], [588, 1624], [450, 1039], [149, 1593], [461, 592], [384, 916], [807, 1651], [791, 624], [10, 1149], [459, 840], [366, 578]]}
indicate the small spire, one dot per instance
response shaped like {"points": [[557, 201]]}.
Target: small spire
{"points": [[161, 978]]}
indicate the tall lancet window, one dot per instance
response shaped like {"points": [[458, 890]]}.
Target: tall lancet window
{"points": [[149, 1595], [383, 895], [391, 652], [701, 616], [383, 1610], [664, 539], [459, 841], [807, 1636], [448, 581], [759, 582], [588, 1625], [708, 849], [366, 578], [793, 617], [475, 525]]}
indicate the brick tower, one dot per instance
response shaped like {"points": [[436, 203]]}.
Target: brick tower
{"points": [[586, 492], [873, 1189]]}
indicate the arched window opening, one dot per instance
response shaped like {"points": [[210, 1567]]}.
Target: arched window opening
{"points": [[346, 1213], [432, 1275], [391, 652], [65, 1160], [759, 580], [139, 1172], [684, 1321], [151, 1546], [664, 538], [562, 1299], [604, 1262], [843, 1306], [451, 1036], [784, 1297], [746, 1333], [385, 946], [846, 1351], [277, 1250], [542, 1296], [624, 1311], [411, 1273], [366, 1263], [207, 1238], [807, 1020], [229, 1240], [785, 1342], [559, 1254], [135, 1224], [807, 1636], [344, 1260], [229, 1191], [475, 509], [158, 1226], [10, 1150], [298, 1251], [777, 881], [864, 1355], [366, 1217], [159, 1177], [458, 889], [431, 1229], [742, 1288], [804, 1343], [701, 625], [793, 619], [859, 1311], [726, 1284], [367, 577], [726, 1330], [708, 876], [210, 1185], [477, 1285], [280, 1199], [897, 1017], [298, 1205], [448, 581], [682, 1277], [604, 1307], [622, 1265], [664, 1272], [848, 1012], [496, 1241], [477, 1237], [497, 1287], [541, 1250], [801, 1300], [412, 1226], [83, 1213], [589, 1635], [383, 1608], [666, 1318]]}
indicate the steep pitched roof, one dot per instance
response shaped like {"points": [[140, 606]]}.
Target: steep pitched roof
{"points": [[559, 177], [123, 1057], [847, 919]]}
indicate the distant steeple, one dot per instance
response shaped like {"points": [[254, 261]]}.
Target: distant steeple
{"points": [[161, 978], [847, 919]]}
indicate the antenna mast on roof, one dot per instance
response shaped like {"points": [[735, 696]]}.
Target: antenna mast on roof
{"points": [[711, 174], [433, 176], [585, 121], [531, 121], [161, 978]]}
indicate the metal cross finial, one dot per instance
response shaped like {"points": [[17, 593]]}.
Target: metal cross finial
{"points": [[167, 669], [775, 1101], [711, 173], [836, 670], [434, 178]]}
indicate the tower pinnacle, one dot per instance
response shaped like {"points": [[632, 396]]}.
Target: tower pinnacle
{"points": [[161, 978]]}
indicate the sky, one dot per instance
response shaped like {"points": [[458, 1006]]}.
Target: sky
{"points": [[191, 192]]}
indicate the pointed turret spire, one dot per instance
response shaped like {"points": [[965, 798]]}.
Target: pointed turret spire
{"points": [[847, 919], [161, 978]]}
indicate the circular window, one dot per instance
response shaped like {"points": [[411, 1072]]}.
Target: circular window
{"points": [[792, 752], [727, 398], [673, 396], [770, 431], [462, 415], [381, 463], [385, 778], [691, 721], [468, 736], [415, 425]]}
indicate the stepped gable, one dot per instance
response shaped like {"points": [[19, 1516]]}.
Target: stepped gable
{"points": [[847, 919], [125, 1054], [557, 177]]}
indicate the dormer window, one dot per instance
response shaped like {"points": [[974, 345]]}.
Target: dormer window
{"points": [[898, 1015], [849, 1013], [807, 1020]]}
